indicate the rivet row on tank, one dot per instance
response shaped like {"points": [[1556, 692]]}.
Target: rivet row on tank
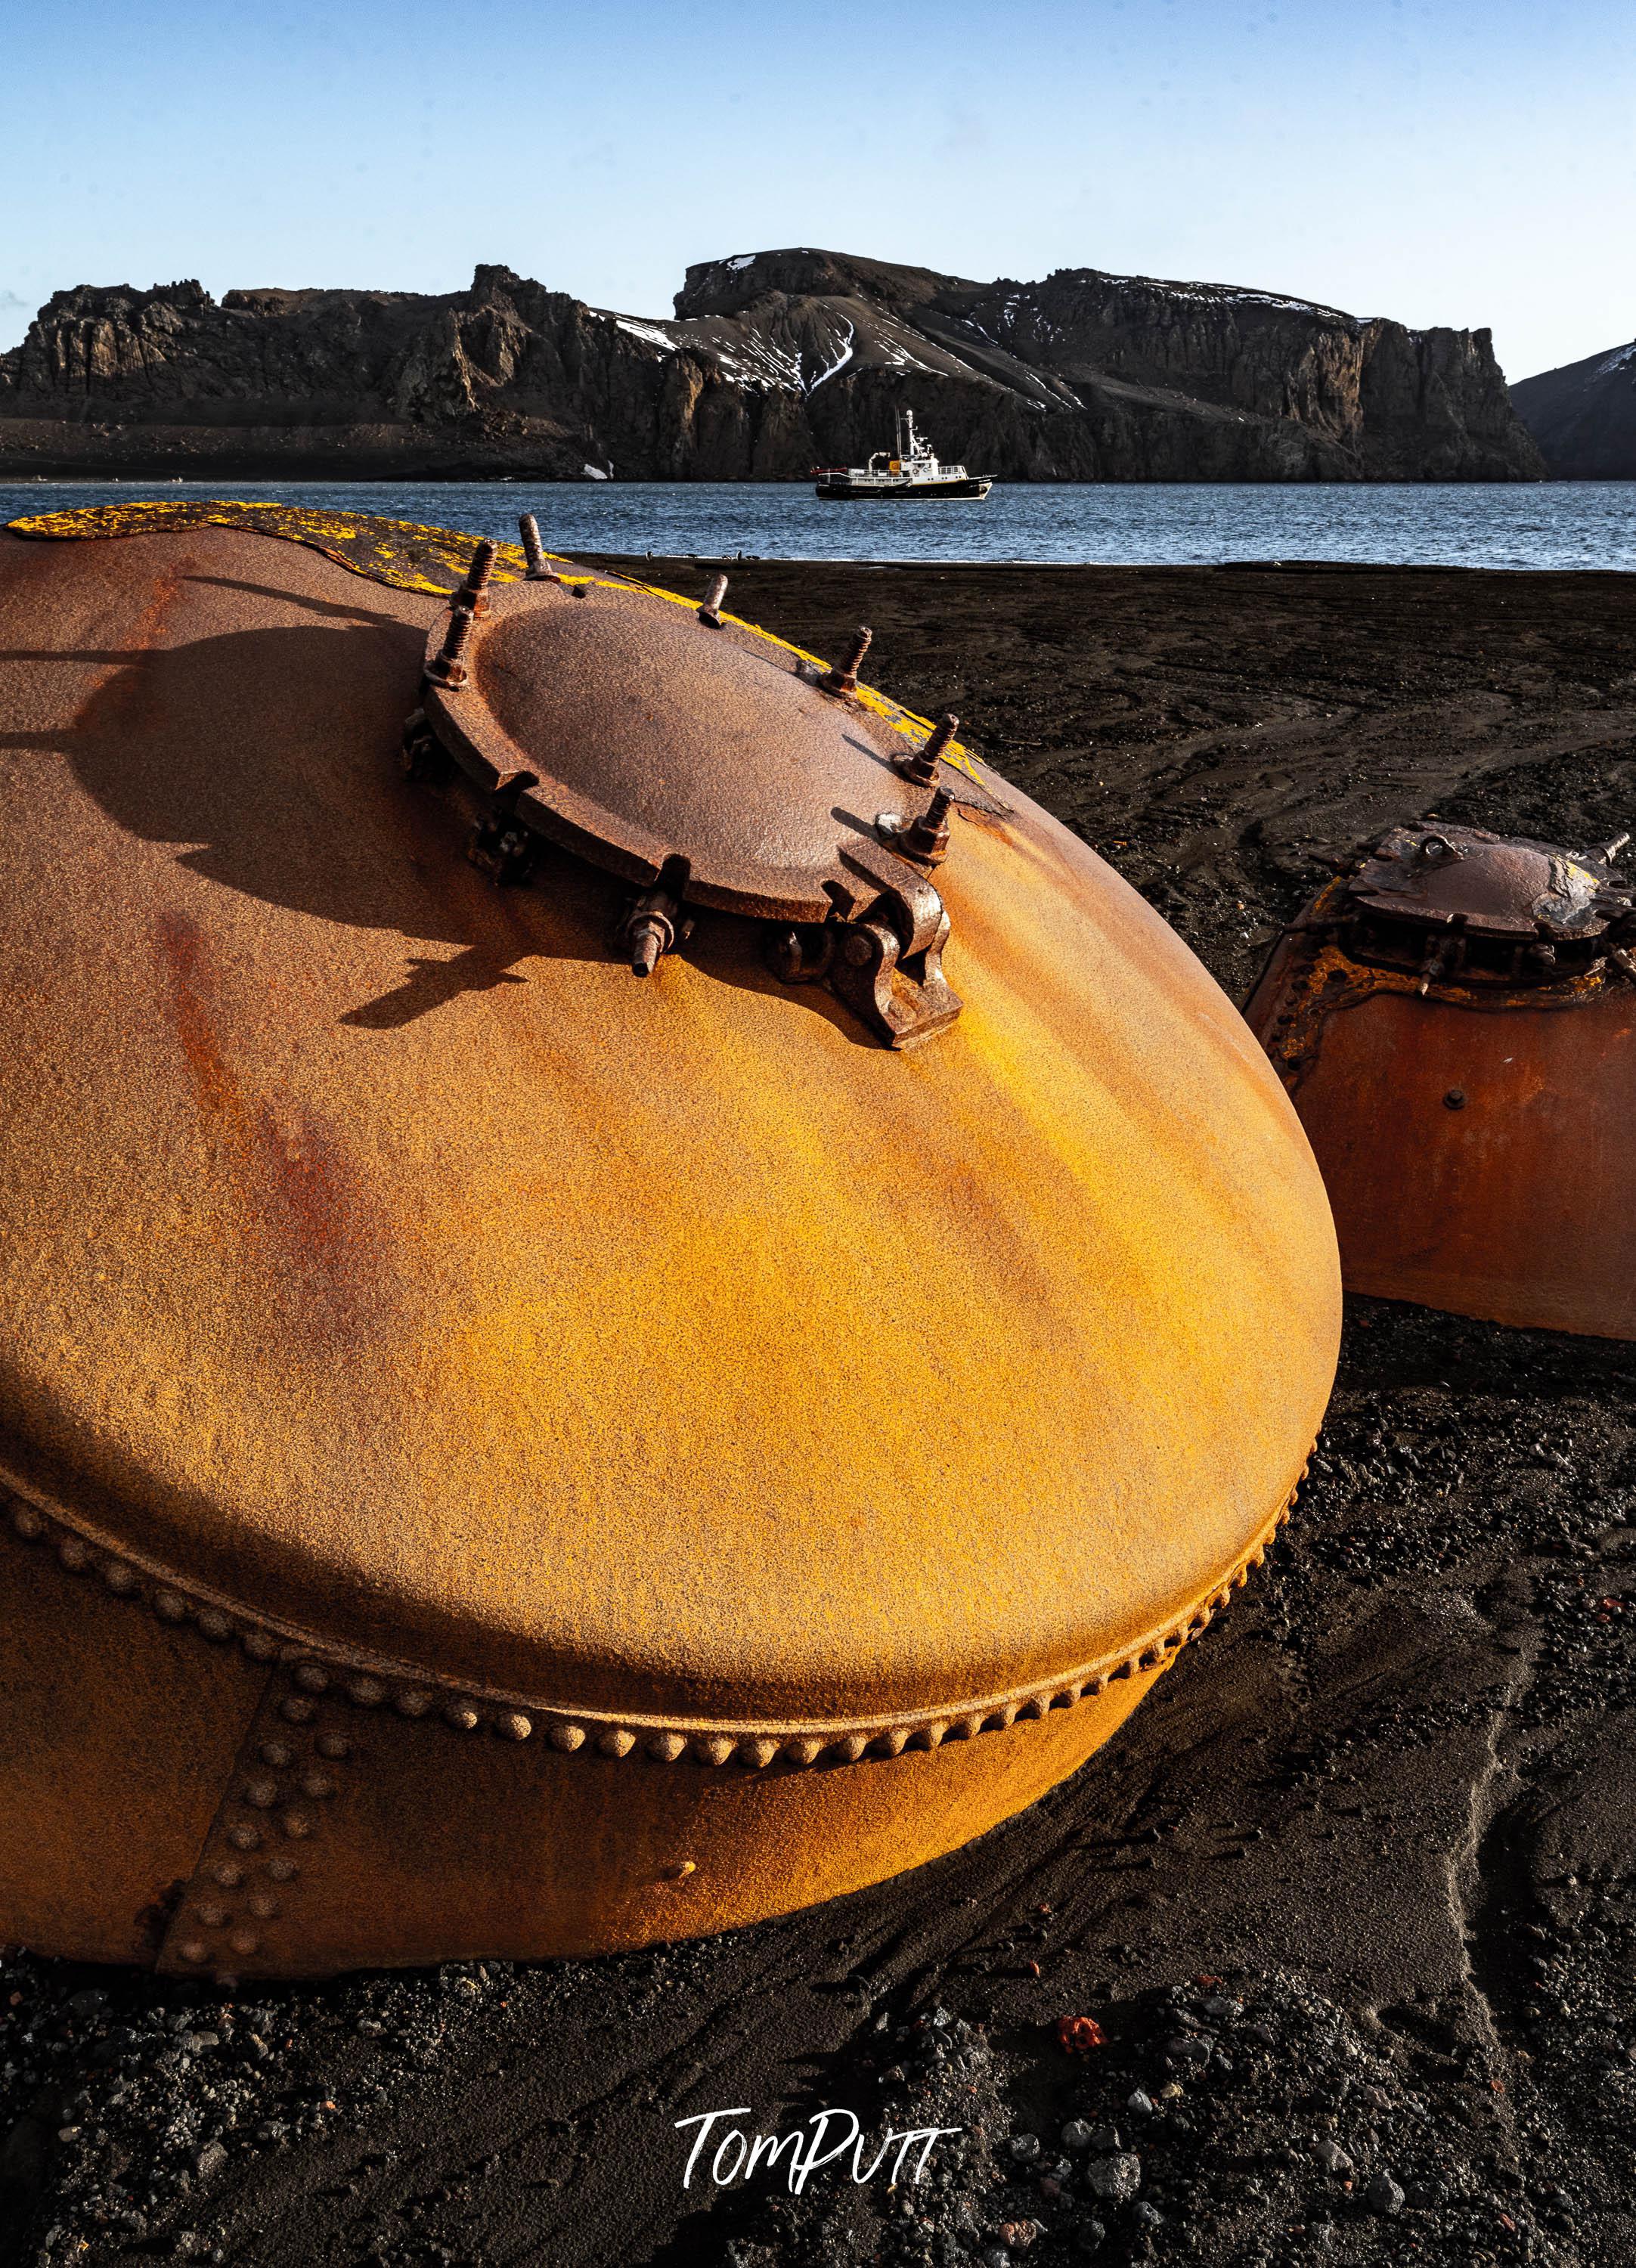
{"points": [[664, 1746]]}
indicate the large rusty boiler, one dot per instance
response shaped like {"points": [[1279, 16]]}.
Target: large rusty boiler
{"points": [[1455, 1020], [634, 1293]]}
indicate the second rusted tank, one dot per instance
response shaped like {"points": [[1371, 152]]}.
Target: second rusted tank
{"points": [[1455, 1022]]}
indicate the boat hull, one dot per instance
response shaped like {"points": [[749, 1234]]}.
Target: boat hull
{"points": [[915, 491]]}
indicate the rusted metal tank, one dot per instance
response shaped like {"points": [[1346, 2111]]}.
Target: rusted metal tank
{"points": [[1455, 1020], [635, 1295]]}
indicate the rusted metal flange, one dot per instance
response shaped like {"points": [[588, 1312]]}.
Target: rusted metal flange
{"points": [[1459, 901], [714, 771]]}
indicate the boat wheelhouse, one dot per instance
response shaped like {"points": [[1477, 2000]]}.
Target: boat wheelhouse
{"points": [[910, 468]]}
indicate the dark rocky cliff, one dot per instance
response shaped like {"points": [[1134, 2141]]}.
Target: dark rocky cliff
{"points": [[773, 361], [1583, 415]]}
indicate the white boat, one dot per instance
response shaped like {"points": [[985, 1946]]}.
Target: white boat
{"points": [[908, 471]]}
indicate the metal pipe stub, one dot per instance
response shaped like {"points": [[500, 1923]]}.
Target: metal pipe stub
{"points": [[920, 764], [539, 568], [843, 679]]}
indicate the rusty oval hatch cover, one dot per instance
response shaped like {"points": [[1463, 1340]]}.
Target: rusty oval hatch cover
{"points": [[709, 765]]}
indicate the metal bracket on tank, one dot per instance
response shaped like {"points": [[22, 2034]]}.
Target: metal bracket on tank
{"points": [[880, 953]]}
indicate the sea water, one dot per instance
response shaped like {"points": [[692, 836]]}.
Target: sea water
{"points": [[1571, 524]]}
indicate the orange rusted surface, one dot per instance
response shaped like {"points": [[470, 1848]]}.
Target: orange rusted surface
{"points": [[1475, 1142], [660, 1363]]}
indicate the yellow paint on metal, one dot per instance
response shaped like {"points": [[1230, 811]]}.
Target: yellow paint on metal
{"points": [[398, 565]]}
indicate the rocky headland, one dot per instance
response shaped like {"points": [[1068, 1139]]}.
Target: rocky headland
{"points": [[774, 361], [1583, 415]]}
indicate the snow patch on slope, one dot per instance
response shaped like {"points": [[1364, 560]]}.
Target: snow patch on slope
{"points": [[840, 362], [650, 332]]}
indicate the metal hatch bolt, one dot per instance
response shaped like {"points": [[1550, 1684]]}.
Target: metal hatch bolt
{"points": [[925, 839], [921, 764], [501, 846], [1446, 951], [845, 679], [655, 924], [471, 591], [539, 571], [709, 612], [446, 668], [424, 758]]}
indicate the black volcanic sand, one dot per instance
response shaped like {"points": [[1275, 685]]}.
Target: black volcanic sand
{"points": [[1351, 1898]]}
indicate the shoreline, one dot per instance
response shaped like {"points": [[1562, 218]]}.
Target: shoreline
{"points": [[1578, 528]]}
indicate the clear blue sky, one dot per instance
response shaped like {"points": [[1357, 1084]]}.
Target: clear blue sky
{"points": [[1438, 161]]}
